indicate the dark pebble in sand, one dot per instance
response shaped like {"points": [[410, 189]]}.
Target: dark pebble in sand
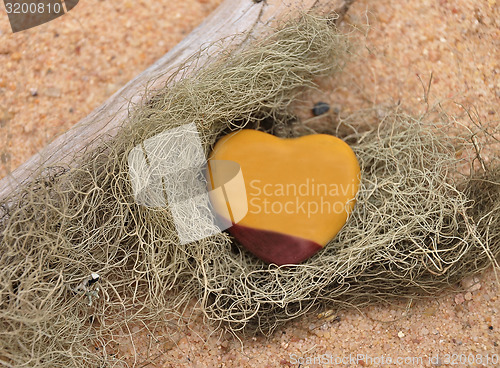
{"points": [[320, 108]]}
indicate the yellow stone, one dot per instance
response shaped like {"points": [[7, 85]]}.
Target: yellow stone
{"points": [[299, 192]]}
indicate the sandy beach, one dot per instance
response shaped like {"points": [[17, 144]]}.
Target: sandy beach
{"points": [[55, 74]]}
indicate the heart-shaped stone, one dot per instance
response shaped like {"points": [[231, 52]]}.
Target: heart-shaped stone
{"points": [[299, 192]]}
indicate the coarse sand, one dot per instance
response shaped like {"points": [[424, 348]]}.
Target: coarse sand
{"points": [[55, 74]]}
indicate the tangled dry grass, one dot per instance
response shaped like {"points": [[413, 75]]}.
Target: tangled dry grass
{"points": [[417, 228]]}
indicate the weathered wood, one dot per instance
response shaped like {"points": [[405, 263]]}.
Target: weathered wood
{"points": [[243, 18]]}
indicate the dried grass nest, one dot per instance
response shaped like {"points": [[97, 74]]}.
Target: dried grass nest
{"points": [[419, 225]]}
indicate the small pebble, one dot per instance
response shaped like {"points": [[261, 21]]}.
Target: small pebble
{"points": [[475, 287], [33, 92], [459, 298], [320, 108], [401, 334], [468, 296]]}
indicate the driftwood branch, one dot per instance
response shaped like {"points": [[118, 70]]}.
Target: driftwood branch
{"points": [[243, 18]]}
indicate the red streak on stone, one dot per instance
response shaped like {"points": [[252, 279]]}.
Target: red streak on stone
{"points": [[274, 247]]}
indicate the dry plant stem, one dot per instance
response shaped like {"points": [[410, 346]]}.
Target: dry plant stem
{"points": [[233, 25]]}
